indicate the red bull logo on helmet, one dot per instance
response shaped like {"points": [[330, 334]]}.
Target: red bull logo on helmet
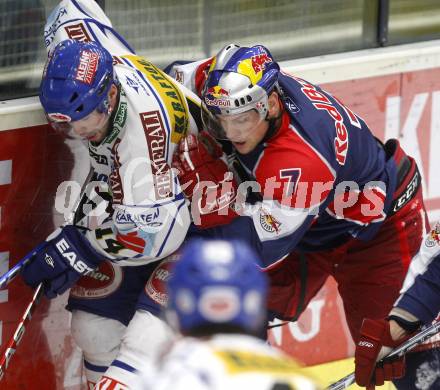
{"points": [[253, 67], [217, 92], [217, 96]]}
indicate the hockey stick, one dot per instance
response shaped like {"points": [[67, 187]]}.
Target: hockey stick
{"points": [[401, 350], [11, 347], [13, 272]]}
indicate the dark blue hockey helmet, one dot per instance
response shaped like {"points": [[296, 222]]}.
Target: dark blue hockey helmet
{"points": [[217, 283], [76, 81]]}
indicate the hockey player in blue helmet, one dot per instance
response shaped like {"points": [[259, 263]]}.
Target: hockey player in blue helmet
{"points": [[97, 87], [217, 301], [78, 91], [215, 287]]}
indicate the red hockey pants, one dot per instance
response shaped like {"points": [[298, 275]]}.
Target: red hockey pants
{"points": [[369, 274]]}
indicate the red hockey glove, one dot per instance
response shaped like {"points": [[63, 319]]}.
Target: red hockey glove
{"points": [[205, 180], [374, 336]]}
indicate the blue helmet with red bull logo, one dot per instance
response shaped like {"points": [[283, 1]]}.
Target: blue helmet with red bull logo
{"points": [[76, 81], [239, 79], [217, 282]]}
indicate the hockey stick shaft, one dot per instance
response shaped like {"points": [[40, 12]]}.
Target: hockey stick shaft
{"points": [[12, 344], [402, 349], [15, 270]]}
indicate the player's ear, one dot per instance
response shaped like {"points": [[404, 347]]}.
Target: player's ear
{"points": [[273, 103], [113, 92], [113, 97]]}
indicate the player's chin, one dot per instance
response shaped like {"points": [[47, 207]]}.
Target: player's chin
{"points": [[243, 147], [96, 137]]}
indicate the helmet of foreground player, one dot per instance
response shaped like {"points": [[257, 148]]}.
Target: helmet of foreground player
{"points": [[217, 283], [76, 81], [239, 80]]}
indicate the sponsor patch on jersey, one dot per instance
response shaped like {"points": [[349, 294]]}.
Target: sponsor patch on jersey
{"points": [[177, 115], [121, 115], [88, 63], [100, 283], [78, 32], [157, 141], [147, 221], [115, 176], [268, 222], [120, 119], [434, 236], [107, 383], [155, 288]]}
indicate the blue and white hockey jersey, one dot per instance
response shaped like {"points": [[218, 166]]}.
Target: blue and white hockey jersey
{"points": [[150, 217]]}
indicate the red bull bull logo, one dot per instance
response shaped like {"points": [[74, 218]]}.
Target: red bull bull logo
{"points": [[259, 62], [253, 67], [217, 92], [219, 97]]}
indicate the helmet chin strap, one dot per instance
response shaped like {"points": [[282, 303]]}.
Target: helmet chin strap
{"points": [[274, 125]]}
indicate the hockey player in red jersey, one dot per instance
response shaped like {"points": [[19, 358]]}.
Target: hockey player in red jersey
{"points": [[332, 199]]}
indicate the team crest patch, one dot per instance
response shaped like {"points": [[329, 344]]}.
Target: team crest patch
{"points": [[434, 236], [269, 223], [156, 284], [100, 283]]}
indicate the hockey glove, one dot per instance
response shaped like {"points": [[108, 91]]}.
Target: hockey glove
{"points": [[205, 180], [66, 257], [374, 343]]}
